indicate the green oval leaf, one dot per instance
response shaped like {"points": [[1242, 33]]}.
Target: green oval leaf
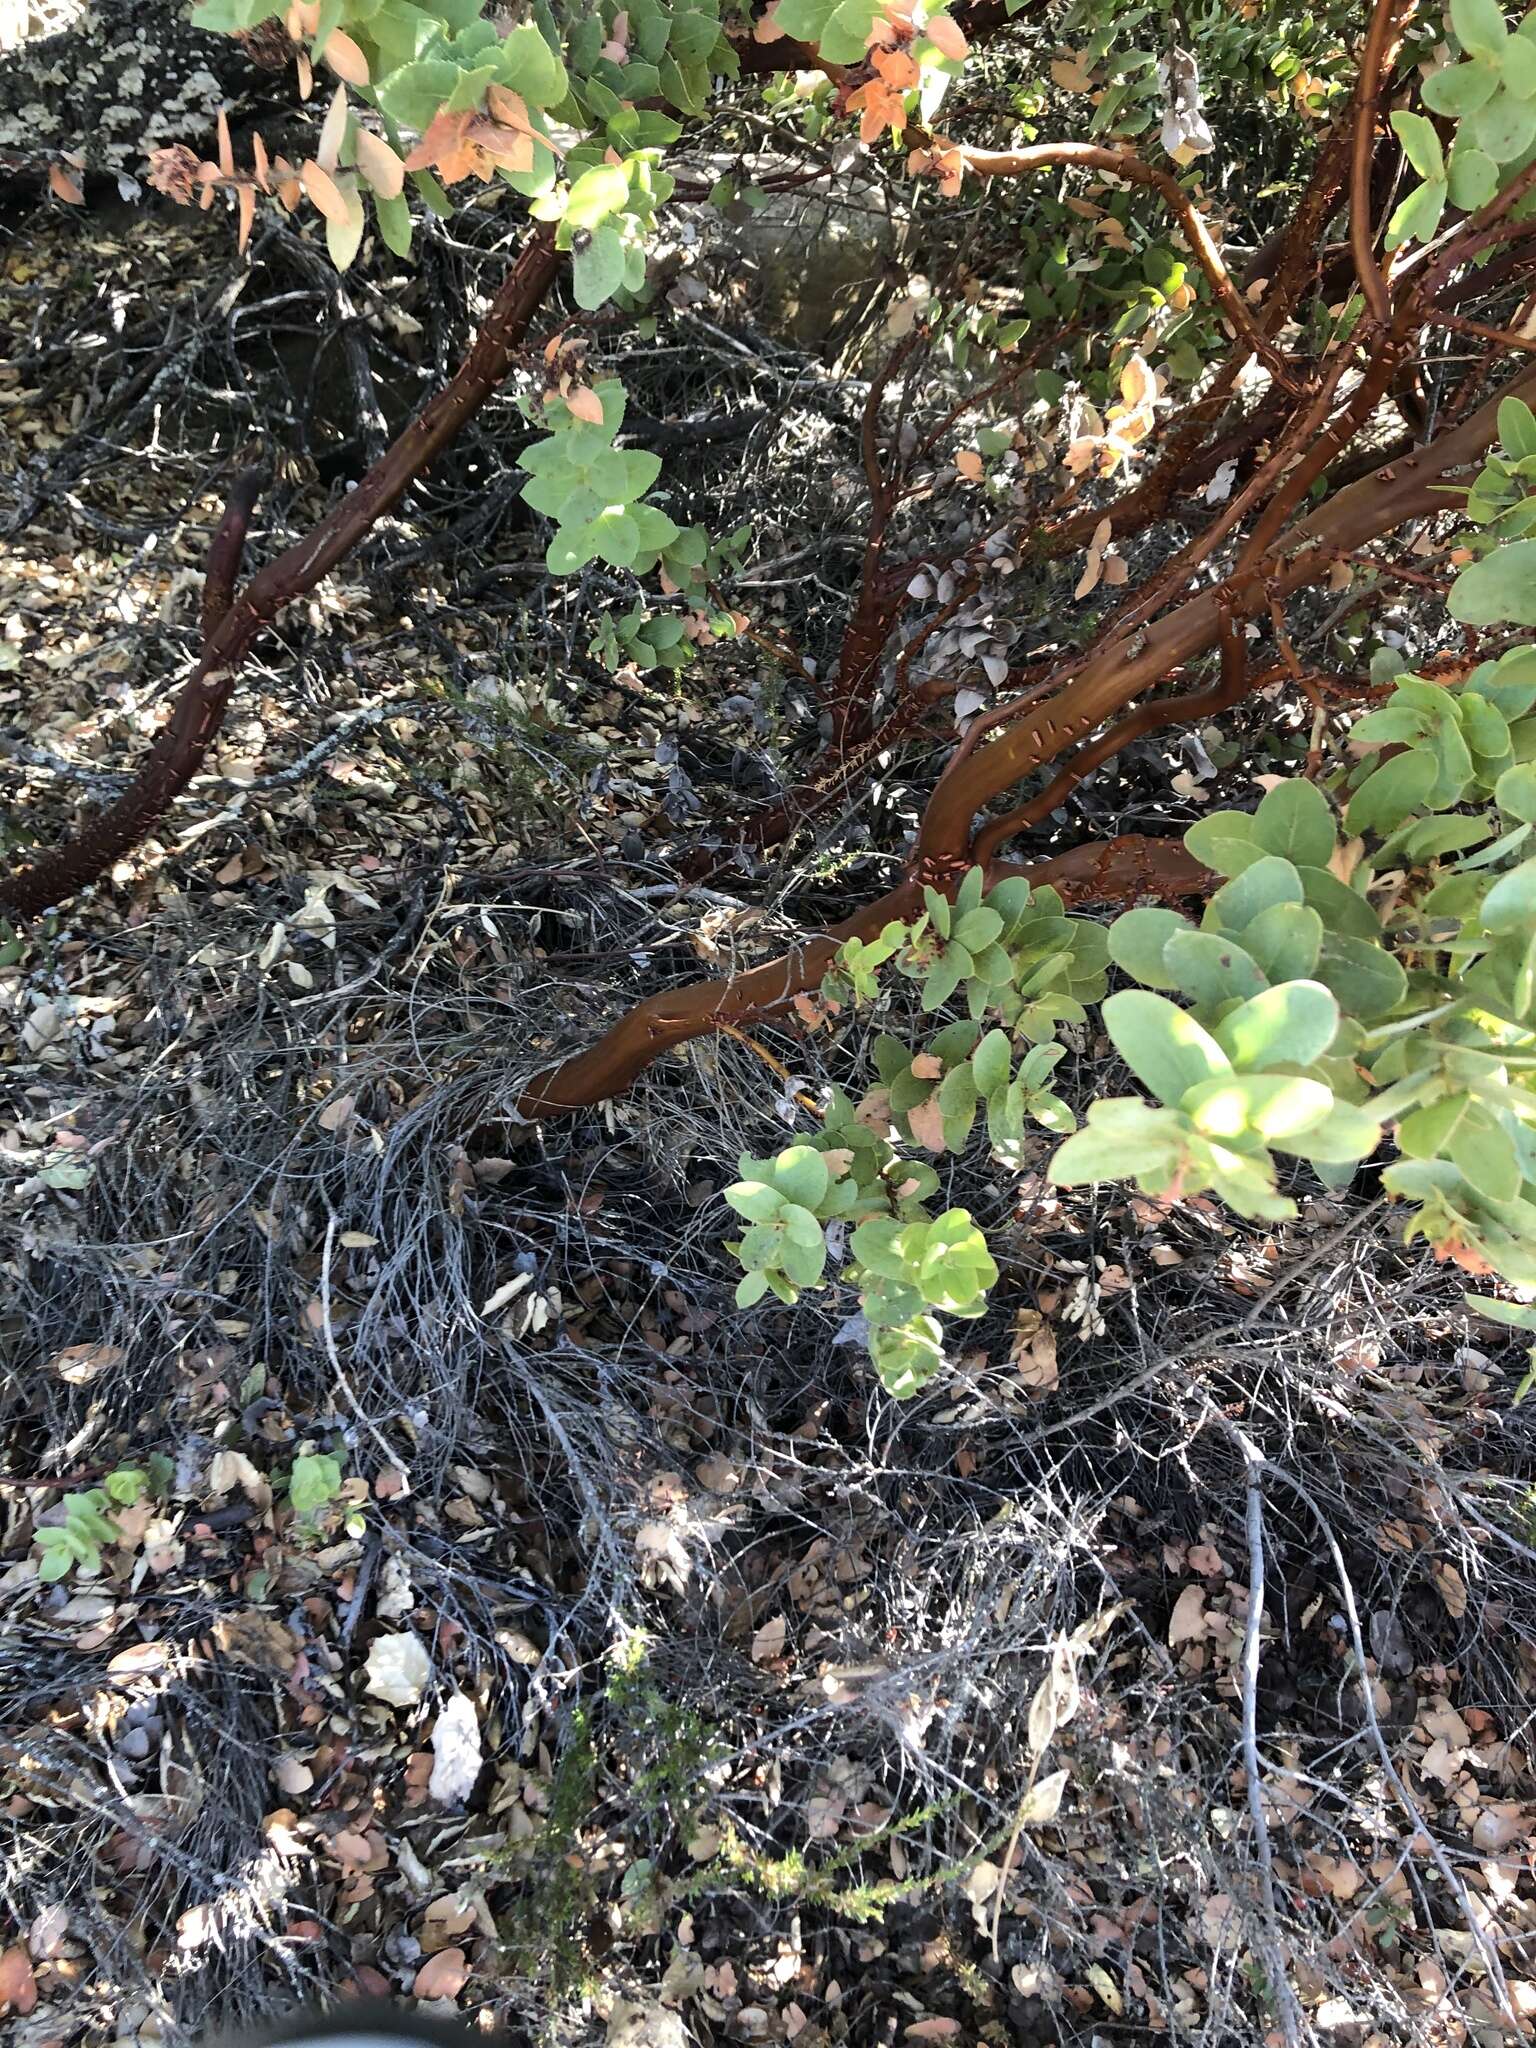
{"points": [[1209, 967], [1295, 820], [1499, 588], [1268, 881], [1421, 144], [1268, 1105], [801, 1175], [1162, 1045], [1225, 840], [1137, 940], [1479, 26], [1389, 793], [1295, 1022], [1367, 980], [1510, 904]]}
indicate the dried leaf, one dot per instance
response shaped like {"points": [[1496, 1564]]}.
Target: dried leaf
{"points": [[945, 34], [585, 404], [1032, 1353], [343, 239], [443, 1975], [1138, 386], [18, 1986], [1187, 1623], [345, 58], [333, 131], [1042, 1802], [970, 464], [1106, 1987], [927, 1123], [321, 187], [1451, 1587], [64, 187], [1074, 72], [768, 1642], [81, 1363], [379, 164], [291, 1776], [1056, 1700], [46, 1934], [336, 1112]]}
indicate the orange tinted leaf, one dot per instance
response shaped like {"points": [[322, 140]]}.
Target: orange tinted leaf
{"points": [[245, 198], [927, 1124], [345, 58], [944, 33], [333, 131], [969, 464], [585, 404], [896, 68], [443, 1975], [18, 1986], [226, 147], [378, 163], [343, 238], [322, 189], [1138, 386], [64, 187]]}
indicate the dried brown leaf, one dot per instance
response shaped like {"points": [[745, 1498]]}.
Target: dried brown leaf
{"points": [[443, 1975]]}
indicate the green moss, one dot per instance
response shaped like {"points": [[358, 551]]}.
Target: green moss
{"points": [[541, 1932], [671, 1747]]}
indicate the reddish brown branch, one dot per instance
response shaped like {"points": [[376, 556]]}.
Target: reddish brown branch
{"points": [[1375, 63], [1108, 681], [1115, 870], [1399, 491], [178, 751], [227, 549], [1233, 685], [1503, 337], [1123, 163]]}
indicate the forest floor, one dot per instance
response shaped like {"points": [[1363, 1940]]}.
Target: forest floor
{"points": [[637, 1670]]}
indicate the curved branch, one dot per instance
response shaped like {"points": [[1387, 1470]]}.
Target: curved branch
{"points": [[227, 549], [1112, 870], [1123, 163], [1390, 495], [1233, 685], [178, 752], [1375, 61]]}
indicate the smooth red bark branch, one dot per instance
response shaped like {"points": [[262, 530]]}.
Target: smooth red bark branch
{"points": [[1124, 163], [1398, 491], [1375, 61], [178, 751], [227, 550], [1110, 870], [1234, 684], [1378, 503]]}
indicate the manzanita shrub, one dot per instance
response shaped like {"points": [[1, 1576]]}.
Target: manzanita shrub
{"points": [[1366, 967], [1364, 975]]}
